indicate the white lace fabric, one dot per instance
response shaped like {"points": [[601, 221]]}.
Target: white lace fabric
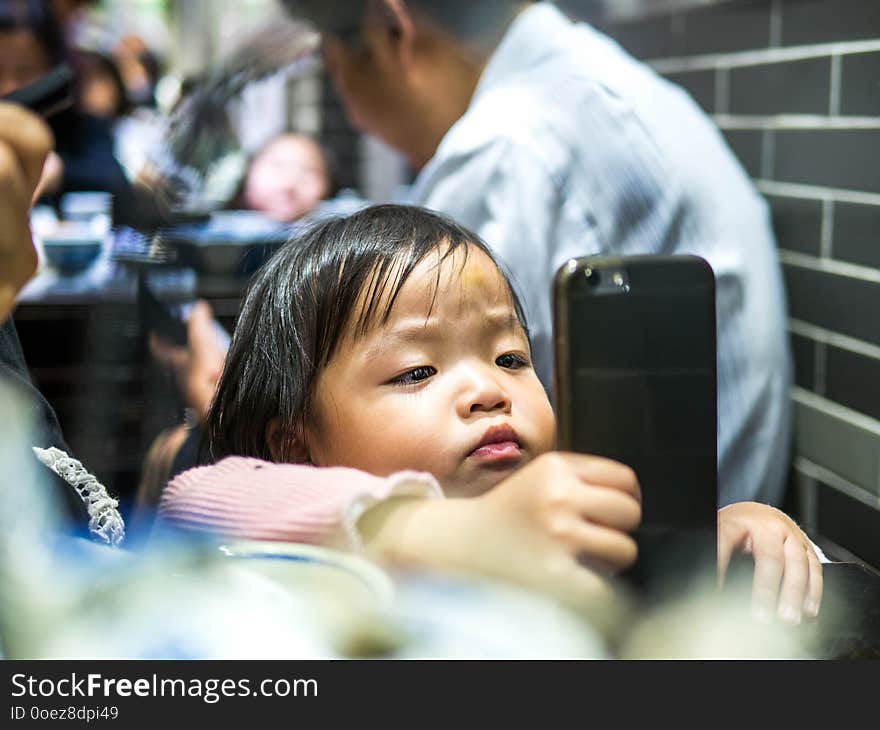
{"points": [[105, 522]]}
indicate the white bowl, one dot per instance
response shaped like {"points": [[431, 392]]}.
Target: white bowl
{"points": [[71, 248]]}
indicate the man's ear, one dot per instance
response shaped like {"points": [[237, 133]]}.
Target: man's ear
{"points": [[286, 444], [397, 19]]}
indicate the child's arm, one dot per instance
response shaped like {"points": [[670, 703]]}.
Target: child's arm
{"points": [[786, 564], [534, 528], [257, 500]]}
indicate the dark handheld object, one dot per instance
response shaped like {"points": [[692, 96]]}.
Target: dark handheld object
{"points": [[157, 317], [49, 94], [635, 352]]}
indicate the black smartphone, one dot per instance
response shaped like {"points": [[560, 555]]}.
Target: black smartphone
{"points": [[635, 381], [49, 94], [158, 317]]}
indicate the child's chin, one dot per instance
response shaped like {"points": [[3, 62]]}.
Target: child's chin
{"points": [[476, 484]]}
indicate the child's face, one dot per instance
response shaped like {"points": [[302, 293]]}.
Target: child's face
{"points": [[452, 392], [287, 179]]}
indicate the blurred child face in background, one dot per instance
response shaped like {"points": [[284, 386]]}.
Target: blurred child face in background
{"points": [[101, 92], [22, 59], [444, 386], [287, 179]]}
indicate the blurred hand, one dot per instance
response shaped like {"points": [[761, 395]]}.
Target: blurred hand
{"points": [[25, 142], [584, 505], [788, 574], [197, 366], [52, 177]]}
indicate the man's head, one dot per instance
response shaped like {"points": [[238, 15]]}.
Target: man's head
{"points": [[466, 20], [406, 69]]}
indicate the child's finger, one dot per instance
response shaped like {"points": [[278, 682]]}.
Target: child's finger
{"points": [[794, 581], [769, 566], [600, 546], [609, 507], [813, 599], [602, 472], [731, 537]]}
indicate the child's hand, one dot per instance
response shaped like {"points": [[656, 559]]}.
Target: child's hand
{"points": [[782, 554], [585, 505], [538, 527]]}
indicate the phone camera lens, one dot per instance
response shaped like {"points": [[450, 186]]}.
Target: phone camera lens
{"points": [[592, 276]]}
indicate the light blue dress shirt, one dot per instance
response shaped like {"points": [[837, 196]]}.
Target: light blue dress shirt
{"points": [[571, 147]]}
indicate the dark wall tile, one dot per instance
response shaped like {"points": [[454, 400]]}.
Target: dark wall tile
{"points": [[803, 351], [797, 223], [847, 159], [853, 380], [746, 145], [856, 236], [699, 84], [796, 87], [649, 38], [860, 84], [727, 27], [839, 303], [851, 524], [822, 21]]}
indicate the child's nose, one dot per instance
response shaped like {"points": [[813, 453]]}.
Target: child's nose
{"points": [[483, 394]]}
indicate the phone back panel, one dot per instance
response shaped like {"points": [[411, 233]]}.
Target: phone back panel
{"points": [[636, 377]]}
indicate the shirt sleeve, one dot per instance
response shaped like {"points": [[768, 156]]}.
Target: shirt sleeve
{"points": [[252, 499]]}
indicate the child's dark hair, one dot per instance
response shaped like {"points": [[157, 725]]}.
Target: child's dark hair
{"points": [[300, 305]]}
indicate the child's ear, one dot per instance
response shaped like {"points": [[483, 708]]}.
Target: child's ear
{"points": [[286, 444]]}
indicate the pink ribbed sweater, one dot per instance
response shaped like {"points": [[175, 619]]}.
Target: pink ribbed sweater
{"points": [[253, 499]]}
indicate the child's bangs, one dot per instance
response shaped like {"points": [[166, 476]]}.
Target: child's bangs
{"points": [[388, 275]]}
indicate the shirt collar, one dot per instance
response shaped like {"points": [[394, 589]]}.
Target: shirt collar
{"points": [[524, 45]]}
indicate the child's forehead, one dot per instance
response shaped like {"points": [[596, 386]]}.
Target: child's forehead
{"points": [[291, 144], [464, 277], [445, 284]]}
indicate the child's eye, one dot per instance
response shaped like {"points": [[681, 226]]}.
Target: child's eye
{"points": [[416, 375], [511, 361]]}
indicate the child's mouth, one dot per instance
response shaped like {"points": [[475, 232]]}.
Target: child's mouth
{"points": [[499, 443], [498, 451]]}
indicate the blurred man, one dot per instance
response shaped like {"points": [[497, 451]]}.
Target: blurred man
{"points": [[549, 141]]}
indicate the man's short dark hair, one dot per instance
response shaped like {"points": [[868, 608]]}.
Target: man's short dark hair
{"points": [[464, 19]]}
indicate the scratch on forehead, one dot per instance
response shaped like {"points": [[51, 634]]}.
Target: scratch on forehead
{"points": [[473, 276], [480, 282]]}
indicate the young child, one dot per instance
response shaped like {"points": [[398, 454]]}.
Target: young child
{"points": [[287, 178], [383, 357]]}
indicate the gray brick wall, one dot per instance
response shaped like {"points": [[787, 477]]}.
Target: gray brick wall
{"points": [[795, 87]]}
